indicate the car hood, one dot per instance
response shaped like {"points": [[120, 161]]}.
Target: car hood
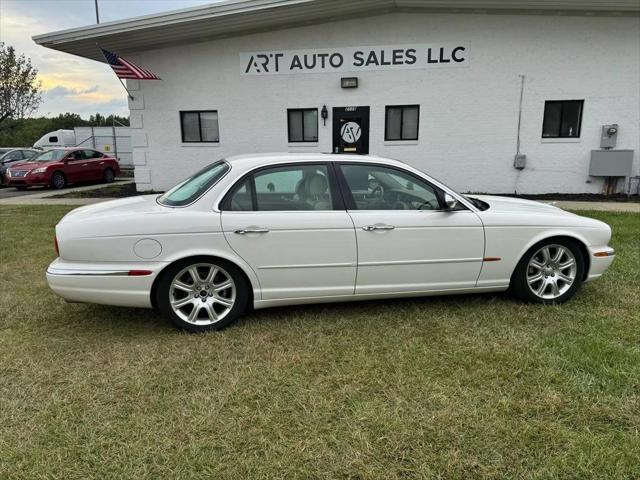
{"points": [[29, 165], [518, 205]]}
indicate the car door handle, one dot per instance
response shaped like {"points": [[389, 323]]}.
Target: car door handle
{"points": [[244, 231], [85, 164], [379, 226]]}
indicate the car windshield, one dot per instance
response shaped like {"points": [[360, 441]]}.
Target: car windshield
{"points": [[49, 156], [195, 186]]}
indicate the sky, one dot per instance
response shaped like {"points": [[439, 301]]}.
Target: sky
{"points": [[70, 83]]}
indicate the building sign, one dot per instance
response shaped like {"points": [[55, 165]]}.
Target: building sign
{"points": [[354, 59]]}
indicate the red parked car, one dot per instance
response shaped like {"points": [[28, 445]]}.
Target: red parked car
{"points": [[58, 167]]}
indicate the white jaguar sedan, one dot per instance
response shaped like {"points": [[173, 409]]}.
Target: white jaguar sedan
{"points": [[281, 229]]}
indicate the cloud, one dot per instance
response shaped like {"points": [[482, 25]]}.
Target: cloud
{"points": [[60, 91]]}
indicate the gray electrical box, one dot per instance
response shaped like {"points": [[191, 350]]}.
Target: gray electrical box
{"points": [[611, 163], [520, 161], [609, 136]]}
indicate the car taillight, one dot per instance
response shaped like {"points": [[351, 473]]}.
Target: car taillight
{"points": [[55, 245]]}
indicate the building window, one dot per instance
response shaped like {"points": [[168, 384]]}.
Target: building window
{"points": [[401, 122], [562, 118], [302, 124], [200, 127]]}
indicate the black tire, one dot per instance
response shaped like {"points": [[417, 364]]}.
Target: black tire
{"points": [[519, 280], [109, 176], [58, 180], [163, 300]]}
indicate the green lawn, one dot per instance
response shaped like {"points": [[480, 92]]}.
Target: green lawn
{"points": [[451, 387]]}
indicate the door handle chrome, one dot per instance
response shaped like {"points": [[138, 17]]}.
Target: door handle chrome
{"points": [[85, 164], [371, 228], [244, 231]]}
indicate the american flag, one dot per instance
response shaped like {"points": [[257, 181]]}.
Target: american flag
{"points": [[126, 69]]}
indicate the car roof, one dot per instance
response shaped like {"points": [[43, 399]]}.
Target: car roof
{"points": [[250, 160], [68, 149]]}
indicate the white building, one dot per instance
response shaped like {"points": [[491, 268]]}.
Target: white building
{"points": [[456, 88]]}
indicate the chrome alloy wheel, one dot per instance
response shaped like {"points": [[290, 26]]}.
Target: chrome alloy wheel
{"points": [[551, 271], [202, 294]]}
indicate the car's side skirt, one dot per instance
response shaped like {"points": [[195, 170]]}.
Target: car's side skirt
{"points": [[257, 304]]}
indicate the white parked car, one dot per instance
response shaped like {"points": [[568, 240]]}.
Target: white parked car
{"points": [[281, 229]]}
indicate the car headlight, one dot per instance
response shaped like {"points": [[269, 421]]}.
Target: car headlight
{"points": [[39, 170]]}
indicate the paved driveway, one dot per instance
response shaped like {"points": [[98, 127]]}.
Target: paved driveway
{"points": [[10, 192]]}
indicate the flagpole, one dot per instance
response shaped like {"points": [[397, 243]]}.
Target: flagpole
{"points": [[97, 14], [125, 87], [121, 82]]}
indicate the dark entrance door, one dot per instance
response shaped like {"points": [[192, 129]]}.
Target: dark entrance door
{"points": [[351, 130]]}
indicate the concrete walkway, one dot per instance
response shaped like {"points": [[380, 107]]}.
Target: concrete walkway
{"points": [[43, 197], [600, 206]]}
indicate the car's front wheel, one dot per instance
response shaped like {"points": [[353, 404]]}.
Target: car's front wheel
{"points": [[550, 272], [58, 180], [202, 294]]}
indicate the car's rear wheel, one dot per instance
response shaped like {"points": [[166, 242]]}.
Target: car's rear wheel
{"points": [[108, 176], [202, 294], [550, 272], [58, 180]]}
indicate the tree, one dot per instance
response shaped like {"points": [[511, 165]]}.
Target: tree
{"points": [[20, 90], [25, 131]]}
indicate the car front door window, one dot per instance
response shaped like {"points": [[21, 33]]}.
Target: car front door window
{"points": [[376, 187]]}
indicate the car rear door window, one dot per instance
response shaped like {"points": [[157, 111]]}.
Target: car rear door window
{"points": [[286, 188], [89, 154]]}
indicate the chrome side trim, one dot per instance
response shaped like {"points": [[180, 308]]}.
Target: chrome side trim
{"points": [[74, 272], [308, 265], [419, 262]]}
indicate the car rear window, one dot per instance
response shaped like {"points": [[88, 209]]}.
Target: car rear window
{"points": [[195, 186]]}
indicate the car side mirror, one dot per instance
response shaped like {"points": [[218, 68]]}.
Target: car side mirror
{"points": [[450, 203]]}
